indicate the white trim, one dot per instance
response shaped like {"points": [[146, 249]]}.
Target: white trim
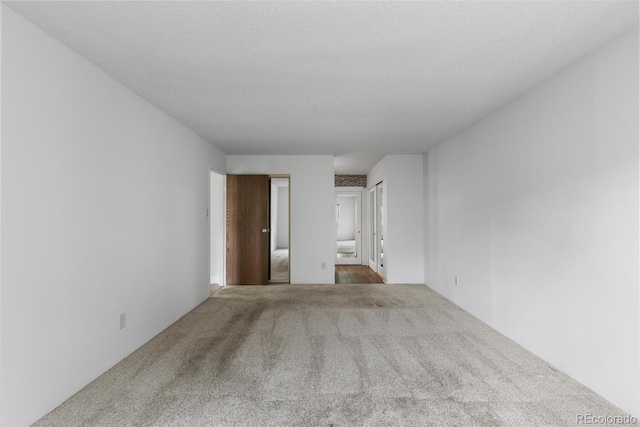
{"points": [[220, 279]]}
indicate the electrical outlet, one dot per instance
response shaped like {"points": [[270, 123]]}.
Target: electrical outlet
{"points": [[323, 266], [123, 320]]}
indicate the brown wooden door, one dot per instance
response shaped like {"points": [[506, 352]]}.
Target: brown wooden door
{"points": [[247, 217]]}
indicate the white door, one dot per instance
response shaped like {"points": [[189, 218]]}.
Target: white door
{"points": [[348, 231]]}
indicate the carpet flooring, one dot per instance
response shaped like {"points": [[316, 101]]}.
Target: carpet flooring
{"points": [[334, 355]]}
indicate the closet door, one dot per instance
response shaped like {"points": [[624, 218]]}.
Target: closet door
{"points": [[247, 229]]}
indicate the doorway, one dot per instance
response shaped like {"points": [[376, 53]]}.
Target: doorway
{"points": [[279, 230], [216, 231], [348, 231], [257, 250]]}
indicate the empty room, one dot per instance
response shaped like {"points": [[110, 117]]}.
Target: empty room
{"points": [[319, 213]]}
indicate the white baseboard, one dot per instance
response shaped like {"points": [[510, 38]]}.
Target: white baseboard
{"points": [[214, 280]]}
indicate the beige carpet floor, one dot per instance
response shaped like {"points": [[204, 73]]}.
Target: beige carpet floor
{"points": [[336, 355]]}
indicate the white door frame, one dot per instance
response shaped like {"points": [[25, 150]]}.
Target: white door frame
{"points": [[288, 178], [357, 193], [222, 243], [372, 256], [374, 232], [380, 230]]}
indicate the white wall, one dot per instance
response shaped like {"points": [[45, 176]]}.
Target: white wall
{"points": [[535, 210], [313, 230], [216, 217], [283, 217], [403, 220], [347, 226], [104, 202]]}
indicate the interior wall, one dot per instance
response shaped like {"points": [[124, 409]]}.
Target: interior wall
{"points": [[403, 221], [535, 211], [104, 201], [313, 230], [283, 218], [347, 226]]}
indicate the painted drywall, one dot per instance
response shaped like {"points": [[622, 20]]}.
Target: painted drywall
{"points": [[283, 218], [313, 230], [347, 224], [403, 221], [104, 201], [216, 217], [535, 210]]}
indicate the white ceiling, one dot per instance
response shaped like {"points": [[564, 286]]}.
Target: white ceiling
{"points": [[352, 79]]}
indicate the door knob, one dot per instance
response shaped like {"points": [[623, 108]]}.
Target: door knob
{"points": [[266, 230]]}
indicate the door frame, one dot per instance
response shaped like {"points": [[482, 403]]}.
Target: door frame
{"points": [[373, 251], [288, 280], [222, 245], [246, 233], [380, 230], [357, 193], [225, 221]]}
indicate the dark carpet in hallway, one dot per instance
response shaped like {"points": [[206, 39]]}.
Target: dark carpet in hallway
{"points": [[341, 355]]}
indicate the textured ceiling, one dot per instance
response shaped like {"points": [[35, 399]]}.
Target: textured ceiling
{"points": [[353, 79]]}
